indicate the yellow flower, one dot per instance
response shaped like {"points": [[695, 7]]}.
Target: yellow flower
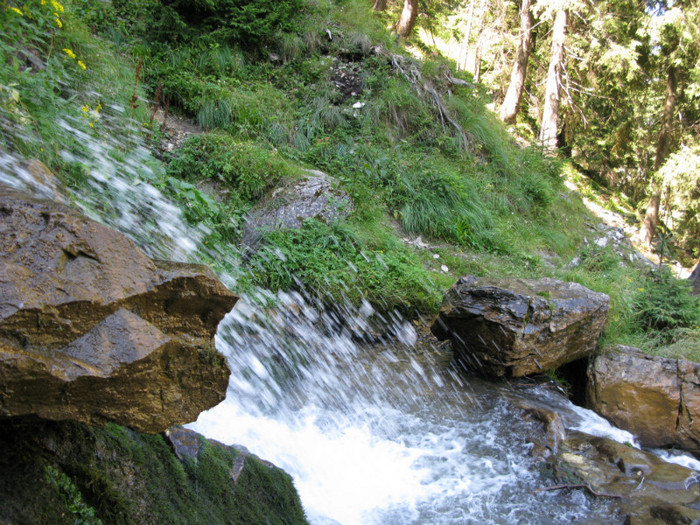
{"points": [[59, 23], [640, 289], [69, 52], [20, 13], [56, 6], [80, 63]]}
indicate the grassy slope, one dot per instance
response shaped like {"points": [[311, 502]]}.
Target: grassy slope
{"points": [[271, 106]]}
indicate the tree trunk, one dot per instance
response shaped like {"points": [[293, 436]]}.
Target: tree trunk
{"points": [[477, 64], [408, 18], [509, 109], [550, 114], [462, 63], [663, 148], [694, 279], [379, 5]]}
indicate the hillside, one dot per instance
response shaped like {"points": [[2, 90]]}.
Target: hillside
{"points": [[439, 188]]}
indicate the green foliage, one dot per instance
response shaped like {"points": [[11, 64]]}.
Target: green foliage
{"points": [[54, 76], [251, 22], [71, 497], [330, 259], [245, 168], [665, 304]]}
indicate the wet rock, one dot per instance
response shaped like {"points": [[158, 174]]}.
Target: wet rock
{"points": [[647, 489], [517, 327], [287, 207], [655, 398], [553, 430], [42, 179], [93, 330]]}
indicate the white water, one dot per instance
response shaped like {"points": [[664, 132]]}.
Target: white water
{"points": [[376, 435], [371, 435]]}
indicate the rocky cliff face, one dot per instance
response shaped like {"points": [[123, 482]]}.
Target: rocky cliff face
{"points": [[93, 330]]}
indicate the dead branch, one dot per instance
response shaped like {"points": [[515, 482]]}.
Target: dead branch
{"points": [[581, 486]]}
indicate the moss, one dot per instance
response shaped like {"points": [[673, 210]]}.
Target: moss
{"points": [[125, 477]]}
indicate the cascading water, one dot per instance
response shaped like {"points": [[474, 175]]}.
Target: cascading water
{"points": [[385, 433], [376, 433]]}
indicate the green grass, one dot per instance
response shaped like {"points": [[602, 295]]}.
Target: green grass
{"points": [[339, 265]]}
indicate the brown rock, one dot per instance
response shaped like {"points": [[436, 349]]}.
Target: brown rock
{"points": [[517, 327], [655, 398], [647, 489], [91, 329]]}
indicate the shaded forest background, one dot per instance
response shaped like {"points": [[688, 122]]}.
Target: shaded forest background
{"points": [[614, 86]]}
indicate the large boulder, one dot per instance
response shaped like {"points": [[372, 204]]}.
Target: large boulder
{"points": [[518, 327], [91, 329], [314, 196], [655, 398]]}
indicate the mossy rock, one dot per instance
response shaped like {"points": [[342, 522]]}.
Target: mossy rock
{"points": [[68, 472]]}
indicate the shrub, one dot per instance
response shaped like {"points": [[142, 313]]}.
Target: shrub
{"points": [[247, 22], [665, 304]]}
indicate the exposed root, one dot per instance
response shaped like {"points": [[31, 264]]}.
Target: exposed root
{"points": [[426, 89]]}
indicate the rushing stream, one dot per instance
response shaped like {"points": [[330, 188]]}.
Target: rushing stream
{"points": [[383, 433]]}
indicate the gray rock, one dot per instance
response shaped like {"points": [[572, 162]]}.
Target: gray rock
{"points": [[314, 196], [518, 327]]}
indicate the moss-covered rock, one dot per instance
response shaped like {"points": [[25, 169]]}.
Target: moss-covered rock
{"points": [[68, 472]]}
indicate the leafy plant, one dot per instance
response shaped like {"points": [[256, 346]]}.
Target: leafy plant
{"points": [[69, 493]]}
